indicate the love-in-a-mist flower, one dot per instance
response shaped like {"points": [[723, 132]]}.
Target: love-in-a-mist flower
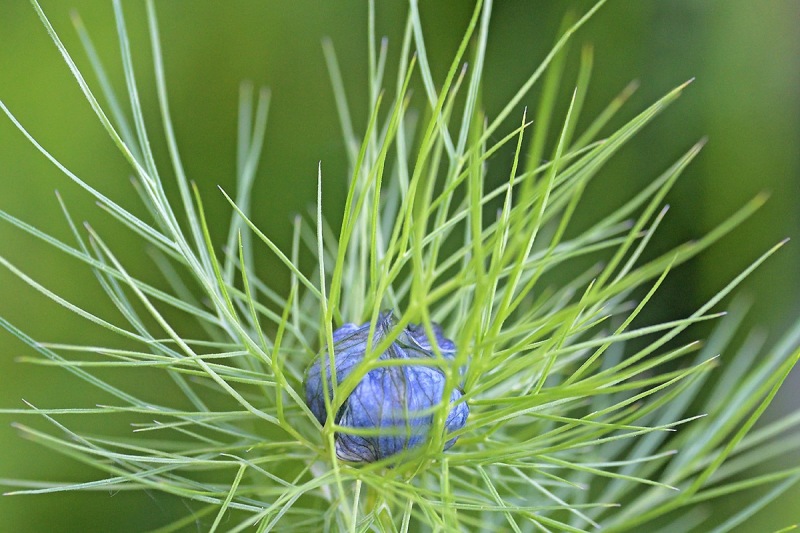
{"points": [[396, 401]]}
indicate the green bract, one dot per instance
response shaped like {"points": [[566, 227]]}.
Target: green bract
{"points": [[570, 428]]}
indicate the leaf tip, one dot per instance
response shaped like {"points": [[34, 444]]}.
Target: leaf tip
{"points": [[701, 143], [76, 19]]}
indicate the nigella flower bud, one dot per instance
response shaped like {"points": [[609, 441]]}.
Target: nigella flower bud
{"points": [[397, 399]]}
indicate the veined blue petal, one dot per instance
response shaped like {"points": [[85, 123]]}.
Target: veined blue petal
{"points": [[397, 402], [400, 401], [418, 334], [350, 344]]}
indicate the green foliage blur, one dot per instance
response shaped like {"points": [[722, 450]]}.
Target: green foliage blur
{"points": [[746, 99]]}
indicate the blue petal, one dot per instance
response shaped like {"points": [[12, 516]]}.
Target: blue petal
{"points": [[350, 345], [418, 334], [395, 402], [345, 331], [398, 401]]}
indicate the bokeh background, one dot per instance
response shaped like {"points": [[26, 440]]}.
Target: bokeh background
{"points": [[745, 99]]}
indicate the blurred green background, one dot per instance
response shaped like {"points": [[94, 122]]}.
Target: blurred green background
{"points": [[746, 99]]}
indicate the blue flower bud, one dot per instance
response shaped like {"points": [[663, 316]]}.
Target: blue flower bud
{"points": [[397, 399]]}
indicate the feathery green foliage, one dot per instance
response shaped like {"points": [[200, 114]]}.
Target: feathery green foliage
{"points": [[569, 429]]}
